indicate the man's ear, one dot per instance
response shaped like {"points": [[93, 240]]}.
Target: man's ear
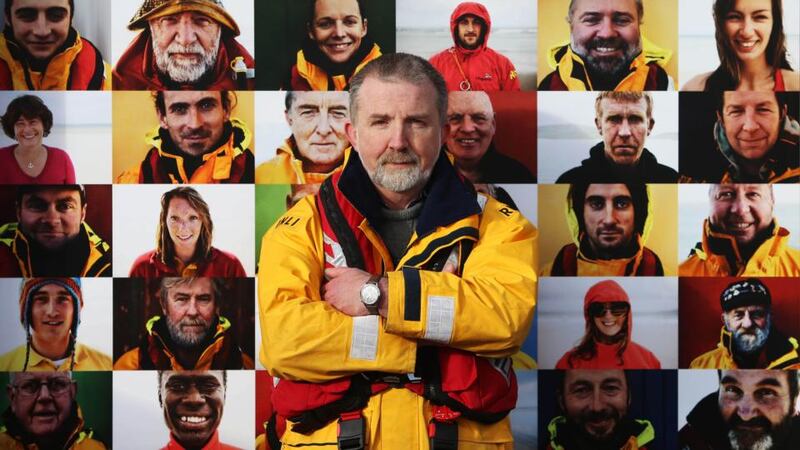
{"points": [[651, 125], [162, 121], [719, 117], [597, 124], [288, 118], [352, 134], [83, 212]]}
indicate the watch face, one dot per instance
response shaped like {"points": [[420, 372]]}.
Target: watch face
{"points": [[370, 294]]}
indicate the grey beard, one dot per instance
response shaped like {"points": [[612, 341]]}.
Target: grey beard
{"points": [[751, 344], [183, 72], [399, 180], [763, 443], [187, 340]]}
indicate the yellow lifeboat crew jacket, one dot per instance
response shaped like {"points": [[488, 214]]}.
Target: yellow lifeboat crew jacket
{"points": [[718, 256], [487, 310], [86, 358], [781, 353], [287, 168]]}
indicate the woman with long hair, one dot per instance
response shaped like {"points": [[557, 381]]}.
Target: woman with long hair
{"points": [[752, 49], [607, 343], [28, 121], [183, 242]]}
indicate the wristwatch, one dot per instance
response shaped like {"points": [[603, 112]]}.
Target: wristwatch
{"points": [[371, 294]]}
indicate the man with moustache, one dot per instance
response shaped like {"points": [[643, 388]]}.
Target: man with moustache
{"points": [[40, 50], [197, 141], [470, 139], [43, 414], [50, 237], [748, 339], [318, 141], [609, 224], [184, 44], [607, 51], [193, 402], [624, 120], [389, 279], [595, 413], [741, 237], [753, 409], [470, 65], [191, 334]]}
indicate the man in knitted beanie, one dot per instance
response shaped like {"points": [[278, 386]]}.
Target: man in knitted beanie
{"points": [[49, 311]]}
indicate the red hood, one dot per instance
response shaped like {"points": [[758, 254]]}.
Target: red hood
{"points": [[476, 9], [604, 292]]}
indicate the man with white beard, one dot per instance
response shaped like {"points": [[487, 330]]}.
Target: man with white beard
{"points": [[748, 339], [184, 45], [751, 410]]}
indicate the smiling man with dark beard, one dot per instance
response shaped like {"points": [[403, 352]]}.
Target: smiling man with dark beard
{"points": [[752, 410], [607, 51], [193, 402], [191, 334], [595, 413], [748, 339]]}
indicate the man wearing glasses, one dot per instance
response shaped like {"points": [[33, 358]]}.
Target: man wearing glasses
{"points": [[43, 413], [748, 339]]}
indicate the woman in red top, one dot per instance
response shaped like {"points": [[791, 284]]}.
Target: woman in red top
{"points": [[607, 342], [183, 242], [28, 120]]}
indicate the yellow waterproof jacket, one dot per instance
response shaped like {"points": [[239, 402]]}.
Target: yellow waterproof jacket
{"points": [[285, 168], [58, 75], [309, 76], [130, 360], [718, 256], [80, 437], [590, 267], [642, 434], [86, 358], [228, 163], [487, 311], [16, 258], [781, 353]]}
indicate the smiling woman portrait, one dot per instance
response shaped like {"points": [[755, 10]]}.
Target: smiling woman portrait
{"points": [[183, 242], [336, 48], [28, 121], [752, 49]]}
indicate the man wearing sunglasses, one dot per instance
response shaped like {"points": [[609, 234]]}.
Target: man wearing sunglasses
{"points": [[607, 342], [43, 413], [748, 339]]}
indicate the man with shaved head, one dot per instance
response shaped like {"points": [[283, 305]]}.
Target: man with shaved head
{"points": [[471, 127], [741, 236], [752, 409]]}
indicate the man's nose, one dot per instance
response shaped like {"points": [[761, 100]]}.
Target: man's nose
{"points": [[193, 395], [51, 214], [397, 139], [186, 31], [740, 205], [41, 27], [608, 215], [624, 128], [606, 29], [750, 124], [323, 125], [191, 308], [747, 321], [194, 119], [747, 409], [468, 125]]}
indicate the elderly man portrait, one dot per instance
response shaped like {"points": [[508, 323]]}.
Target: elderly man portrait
{"points": [[50, 236], [41, 50], [751, 409], [471, 127], [43, 413], [190, 333], [197, 141], [393, 267], [624, 120], [318, 141], [470, 65], [749, 339], [741, 236], [50, 314], [609, 224], [606, 50], [184, 44]]}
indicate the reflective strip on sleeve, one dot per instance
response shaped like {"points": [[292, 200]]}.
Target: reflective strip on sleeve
{"points": [[365, 338], [441, 314]]}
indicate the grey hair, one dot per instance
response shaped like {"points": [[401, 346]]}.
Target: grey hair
{"points": [[394, 67], [168, 283], [12, 376], [639, 10]]}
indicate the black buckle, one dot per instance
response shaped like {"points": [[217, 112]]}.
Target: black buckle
{"points": [[443, 435], [351, 432]]}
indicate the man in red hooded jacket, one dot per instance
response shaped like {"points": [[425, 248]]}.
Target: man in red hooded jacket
{"points": [[470, 65]]}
